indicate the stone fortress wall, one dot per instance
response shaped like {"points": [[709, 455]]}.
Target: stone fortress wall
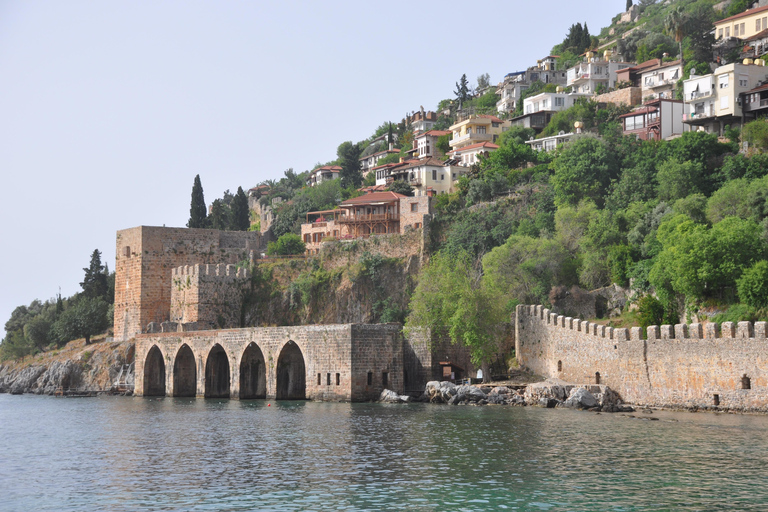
{"points": [[209, 296], [694, 365], [146, 257]]}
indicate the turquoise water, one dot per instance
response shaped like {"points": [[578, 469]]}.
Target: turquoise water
{"points": [[117, 453]]}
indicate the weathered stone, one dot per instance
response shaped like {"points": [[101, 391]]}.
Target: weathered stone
{"points": [[581, 398]]}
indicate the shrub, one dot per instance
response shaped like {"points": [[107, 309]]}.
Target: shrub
{"points": [[753, 285], [287, 244]]}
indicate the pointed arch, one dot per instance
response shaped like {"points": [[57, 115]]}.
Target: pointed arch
{"points": [[184, 372], [291, 373], [253, 377], [217, 373], [154, 373]]}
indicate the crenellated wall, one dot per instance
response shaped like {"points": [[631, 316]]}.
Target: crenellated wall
{"points": [[209, 295], [696, 365]]}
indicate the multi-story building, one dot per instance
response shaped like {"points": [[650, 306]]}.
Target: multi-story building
{"points": [[422, 121], [550, 102], [712, 101], [476, 129], [425, 143], [428, 176], [550, 143], [660, 81], [754, 103], [510, 90], [322, 174], [658, 119], [594, 73], [742, 26], [369, 162]]}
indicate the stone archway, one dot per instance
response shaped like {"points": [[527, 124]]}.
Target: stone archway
{"points": [[185, 373], [291, 374], [253, 378], [154, 373], [217, 373]]}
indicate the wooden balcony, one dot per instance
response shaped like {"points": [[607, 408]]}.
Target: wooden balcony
{"points": [[373, 217]]}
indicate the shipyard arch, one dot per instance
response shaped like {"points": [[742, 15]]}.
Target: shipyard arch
{"points": [[253, 377], [291, 374], [217, 373], [154, 373], [184, 373]]}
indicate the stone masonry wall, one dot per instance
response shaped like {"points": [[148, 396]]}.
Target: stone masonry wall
{"points": [[145, 258], [629, 96], [696, 365], [348, 350], [209, 295]]}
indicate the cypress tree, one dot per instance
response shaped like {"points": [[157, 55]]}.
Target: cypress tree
{"points": [[95, 282], [629, 4], [240, 219], [197, 211]]}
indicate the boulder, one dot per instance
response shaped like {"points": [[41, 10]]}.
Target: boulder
{"points": [[550, 388], [391, 397], [582, 399], [500, 390], [439, 392]]}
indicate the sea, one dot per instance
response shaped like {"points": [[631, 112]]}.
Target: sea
{"points": [[183, 454]]}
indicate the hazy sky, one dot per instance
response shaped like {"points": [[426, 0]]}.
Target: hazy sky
{"points": [[109, 109]]}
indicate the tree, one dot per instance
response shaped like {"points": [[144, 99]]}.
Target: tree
{"points": [[483, 81], [674, 24], [197, 211], [38, 332], [240, 219], [629, 5], [349, 160], [451, 300], [95, 281], [444, 143], [220, 214], [753, 285], [678, 179], [462, 90], [401, 187], [287, 244], [584, 170], [86, 318]]}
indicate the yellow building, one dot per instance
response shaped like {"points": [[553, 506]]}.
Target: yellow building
{"points": [[744, 25], [477, 128]]}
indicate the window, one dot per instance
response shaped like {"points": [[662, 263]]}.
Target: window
{"points": [[743, 80], [385, 379], [722, 80], [127, 251], [559, 102], [338, 379], [736, 30], [757, 25], [597, 377], [480, 129], [741, 29], [442, 176], [536, 106], [724, 102], [746, 383], [414, 207], [495, 124], [559, 366], [370, 378], [648, 81], [434, 174], [727, 32], [328, 379], [720, 34], [545, 104], [319, 379]]}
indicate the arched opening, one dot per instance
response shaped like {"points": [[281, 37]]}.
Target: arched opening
{"points": [[154, 373], [184, 373], [559, 366], [746, 382], [291, 374], [597, 377], [253, 377], [217, 373]]}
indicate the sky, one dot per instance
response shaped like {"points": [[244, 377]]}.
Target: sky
{"points": [[108, 110]]}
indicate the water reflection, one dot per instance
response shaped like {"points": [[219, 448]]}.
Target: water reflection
{"points": [[192, 454]]}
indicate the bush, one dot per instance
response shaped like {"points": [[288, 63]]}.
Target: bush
{"points": [[651, 311], [753, 285], [287, 244]]}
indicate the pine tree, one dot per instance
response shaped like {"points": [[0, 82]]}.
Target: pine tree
{"points": [[197, 211], [95, 282], [586, 39], [462, 89], [240, 219]]}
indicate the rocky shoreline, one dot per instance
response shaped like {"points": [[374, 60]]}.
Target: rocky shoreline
{"points": [[548, 393]]}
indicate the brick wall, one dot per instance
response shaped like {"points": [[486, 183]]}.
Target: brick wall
{"points": [[692, 365], [145, 258], [209, 295]]}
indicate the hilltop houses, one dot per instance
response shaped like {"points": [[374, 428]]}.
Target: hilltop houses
{"points": [[321, 174]]}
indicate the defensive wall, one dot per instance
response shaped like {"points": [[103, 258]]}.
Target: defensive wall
{"points": [[320, 362], [696, 365], [210, 296], [145, 258]]}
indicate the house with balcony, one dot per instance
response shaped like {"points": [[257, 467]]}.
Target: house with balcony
{"points": [[754, 103], [659, 81], [323, 174], [383, 172], [422, 121], [369, 162], [469, 155], [550, 143], [476, 129], [429, 176], [659, 119], [511, 88], [712, 101], [551, 102], [377, 213], [593, 74]]}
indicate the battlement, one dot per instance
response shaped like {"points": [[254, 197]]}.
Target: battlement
{"points": [[695, 331], [219, 270]]}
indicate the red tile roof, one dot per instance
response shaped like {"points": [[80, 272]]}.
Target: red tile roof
{"points": [[488, 145], [744, 14], [757, 89], [375, 197], [422, 161], [435, 133], [760, 35], [492, 118], [332, 168]]}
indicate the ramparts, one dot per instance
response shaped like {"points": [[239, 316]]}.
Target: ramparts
{"points": [[210, 296], [692, 366]]}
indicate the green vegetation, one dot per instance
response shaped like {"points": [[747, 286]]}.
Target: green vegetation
{"points": [[197, 211], [286, 245]]}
